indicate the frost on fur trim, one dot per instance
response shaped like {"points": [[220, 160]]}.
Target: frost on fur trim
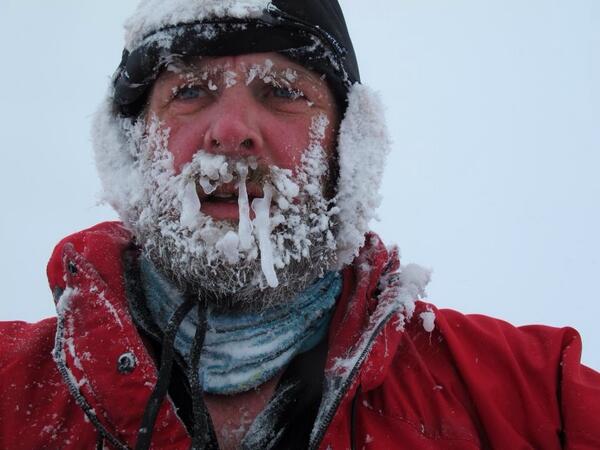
{"points": [[152, 15], [115, 156], [363, 146]]}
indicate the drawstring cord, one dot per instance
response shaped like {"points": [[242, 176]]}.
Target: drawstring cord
{"points": [[201, 436], [164, 376]]}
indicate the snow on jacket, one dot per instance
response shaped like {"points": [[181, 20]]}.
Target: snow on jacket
{"points": [[399, 374]]}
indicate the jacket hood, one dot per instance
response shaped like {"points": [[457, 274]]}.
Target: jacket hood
{"points": [[363, 141]]}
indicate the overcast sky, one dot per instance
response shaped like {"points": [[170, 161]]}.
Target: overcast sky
{"points": [[493, 106]]}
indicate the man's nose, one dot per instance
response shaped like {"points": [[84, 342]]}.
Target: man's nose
{"points": [[234, 128]]}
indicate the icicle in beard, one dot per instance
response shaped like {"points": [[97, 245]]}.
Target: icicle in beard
{"points": [[248, 265]]}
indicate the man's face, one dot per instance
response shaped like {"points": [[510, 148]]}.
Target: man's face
{"points": [[257, 105], [235, 159]]}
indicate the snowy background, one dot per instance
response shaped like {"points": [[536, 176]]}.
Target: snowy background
{"points": [[494, 109]]}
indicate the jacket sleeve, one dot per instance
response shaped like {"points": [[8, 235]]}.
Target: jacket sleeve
{"points": [[579, 398], [527, 384], [36, 409]]}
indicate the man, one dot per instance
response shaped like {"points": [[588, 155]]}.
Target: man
{"points": [[243, 302]]}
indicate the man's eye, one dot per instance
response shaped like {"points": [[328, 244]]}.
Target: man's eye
{"points": [[287, 93], [189, 93]]}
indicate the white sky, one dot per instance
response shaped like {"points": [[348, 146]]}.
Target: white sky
{"points": [[494, 108]]}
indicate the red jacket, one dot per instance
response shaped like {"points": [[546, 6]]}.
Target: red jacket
{"points": [[472, 382]]}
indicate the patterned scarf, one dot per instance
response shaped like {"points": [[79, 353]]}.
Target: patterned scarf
{"points": [[242, 351]]}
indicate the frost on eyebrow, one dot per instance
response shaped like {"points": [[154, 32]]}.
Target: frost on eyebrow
{"points": [[258, 70], [212, 77], [229, 78], [223, 75], [290, 74], [270, 75]]}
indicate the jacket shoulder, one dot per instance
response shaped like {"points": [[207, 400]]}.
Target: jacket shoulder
{"points": [[36, 410], [25, 341], [25, 354], [535, 345], [100, 244], [516, 386], [491, 352], [497, 350]]}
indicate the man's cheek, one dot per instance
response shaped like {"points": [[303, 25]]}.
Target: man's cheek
{"points": [[183, 143]]}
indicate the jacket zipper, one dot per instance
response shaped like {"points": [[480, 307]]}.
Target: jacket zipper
{"points": [[328, 416]]}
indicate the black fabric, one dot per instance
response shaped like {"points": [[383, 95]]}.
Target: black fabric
{"points": [[179, 388], [326, 15], [164, 377], [291, 414], [289, 417], [312, 32], [201, 433]]}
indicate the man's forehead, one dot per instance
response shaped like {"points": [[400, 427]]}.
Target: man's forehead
{"points": [[264, 63]]}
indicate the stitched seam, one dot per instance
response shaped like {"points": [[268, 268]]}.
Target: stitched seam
{"points": [[68, 378]]}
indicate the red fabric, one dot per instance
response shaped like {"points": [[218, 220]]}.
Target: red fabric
{"points": [[474, 382]]}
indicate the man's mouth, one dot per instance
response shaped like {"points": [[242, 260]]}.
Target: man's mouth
{"points": [[229, 193], [222, 203], [220, 198]]}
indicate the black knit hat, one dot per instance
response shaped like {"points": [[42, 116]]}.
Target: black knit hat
{"points": [[310, 32]]}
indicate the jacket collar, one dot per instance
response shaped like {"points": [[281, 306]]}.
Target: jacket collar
{"points": [[376, 302], [86, 275], [98, 351]]}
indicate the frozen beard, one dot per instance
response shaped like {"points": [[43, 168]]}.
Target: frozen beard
{"points": [[251, 264]]}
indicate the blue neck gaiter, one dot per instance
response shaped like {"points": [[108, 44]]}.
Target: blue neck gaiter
{"points": [[243, 351]]}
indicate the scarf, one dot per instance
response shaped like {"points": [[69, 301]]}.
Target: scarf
{"points": [[244, 350]]}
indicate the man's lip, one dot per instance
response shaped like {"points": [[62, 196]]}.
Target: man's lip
{"points": [[229, 193], [222, 203], [222, 210]]}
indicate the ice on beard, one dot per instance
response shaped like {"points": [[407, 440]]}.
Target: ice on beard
{"points": [[214, 169], [190, 206], [228, 247], [286, 186], [288, 224], [232, 243], [213, 165], [245, 225], [207, 187], [225, 173], [262, 223]]}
